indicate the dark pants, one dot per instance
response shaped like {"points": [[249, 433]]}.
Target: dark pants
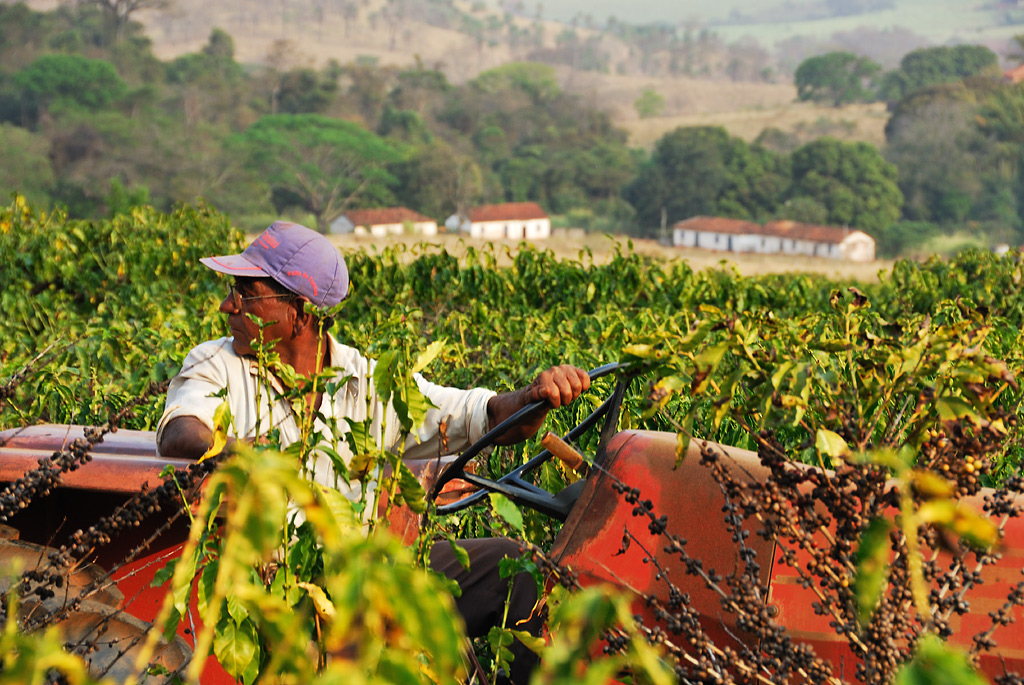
{"points": [[484, 592]]}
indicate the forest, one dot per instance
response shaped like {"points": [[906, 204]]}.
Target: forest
{"points": [[93, 122]]}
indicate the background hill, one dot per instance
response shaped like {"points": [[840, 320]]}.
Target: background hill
{"points": [[743, 86]]}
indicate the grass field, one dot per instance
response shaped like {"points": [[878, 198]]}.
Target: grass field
{"points": [[804, 120], [602, 247]]}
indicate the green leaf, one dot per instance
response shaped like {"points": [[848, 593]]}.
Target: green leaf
{"points": [[460, 553], [683, 439], [428, 355], [384, 375], [961, 519], [506, 510], [164, 574], [236, 609], [411, 405], [204, 588], [832, 445], [412, 490], [235, 645], [954, 409], [705, 363], [872, 564], [936, 663], [532, 642]]}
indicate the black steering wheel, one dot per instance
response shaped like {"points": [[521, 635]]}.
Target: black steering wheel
{"points": [[512, 485]]}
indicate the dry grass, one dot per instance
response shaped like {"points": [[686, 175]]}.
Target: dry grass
{"points": [[803, 120], [602, 248]]}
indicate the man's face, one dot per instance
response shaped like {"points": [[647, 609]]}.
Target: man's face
{"points": [[255, 297]]}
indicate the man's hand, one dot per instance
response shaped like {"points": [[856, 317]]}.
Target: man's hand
{"points": [[557, 386]]}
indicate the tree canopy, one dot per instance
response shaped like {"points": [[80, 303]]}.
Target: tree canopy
{"points": [[837, 78], [703, 170], [932, 66], [323, 163], [852, 181], [68, 81]]}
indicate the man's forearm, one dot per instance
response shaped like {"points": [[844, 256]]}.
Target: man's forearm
{"points": [[504, 405], [185, 437], [556, 387]]}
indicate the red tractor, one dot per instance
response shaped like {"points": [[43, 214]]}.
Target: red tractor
{"points": [[719, 586]]}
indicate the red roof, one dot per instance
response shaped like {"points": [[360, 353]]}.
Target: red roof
{"points": [[384, 215], [798, 231], [1015, 75], [718, 224], [509, 211], [781, 229]]}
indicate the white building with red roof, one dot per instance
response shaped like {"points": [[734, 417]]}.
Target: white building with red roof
{"points": [[507, 221], [774, 237], [384, 221]]}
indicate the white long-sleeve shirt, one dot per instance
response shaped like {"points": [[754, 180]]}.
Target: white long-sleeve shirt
{"points": [[213, 368]]}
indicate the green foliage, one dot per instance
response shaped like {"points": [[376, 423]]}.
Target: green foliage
{"points": [[579, 623], [735, 179], [34, 659], [905, 238], [851, 180], [116, 302], [335, 588], [649, 104], [837, 78], [28, 169], [931, 66], [937, 664], [324, 163], [56, 82], [536, 80]]}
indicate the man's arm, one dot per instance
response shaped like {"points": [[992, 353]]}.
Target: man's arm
{"points": [[185, 437], [558, 385]]}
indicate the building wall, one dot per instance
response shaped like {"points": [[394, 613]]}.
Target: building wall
{"points": [[747, 243], [533, 229], [682, 237], [341, 225], [538, 229], [858, 247], [713, 241]]}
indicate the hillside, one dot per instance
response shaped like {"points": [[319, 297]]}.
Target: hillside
{"points": [[296, 33]]}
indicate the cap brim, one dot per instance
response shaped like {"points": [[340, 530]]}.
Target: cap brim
{"points": [[234, 265]]}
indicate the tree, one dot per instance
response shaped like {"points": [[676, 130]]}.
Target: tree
{"points": [[852, 180], [439, 181], [67, 82], [649, 104], [536, 80], [326, 164], [838, 78], [703, 170], [26, 169], [936, 152], [119, 12], [305, 91], [932, 66]]}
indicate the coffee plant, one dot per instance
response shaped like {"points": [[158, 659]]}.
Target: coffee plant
{"points": [[875, 408]]}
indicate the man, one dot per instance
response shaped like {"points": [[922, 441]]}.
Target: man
{"points": [[287, 266]]}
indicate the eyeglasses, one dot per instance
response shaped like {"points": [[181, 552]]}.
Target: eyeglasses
{"points": [[237, 298]]}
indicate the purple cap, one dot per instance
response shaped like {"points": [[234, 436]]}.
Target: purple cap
{"points": [[297, 257]]}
